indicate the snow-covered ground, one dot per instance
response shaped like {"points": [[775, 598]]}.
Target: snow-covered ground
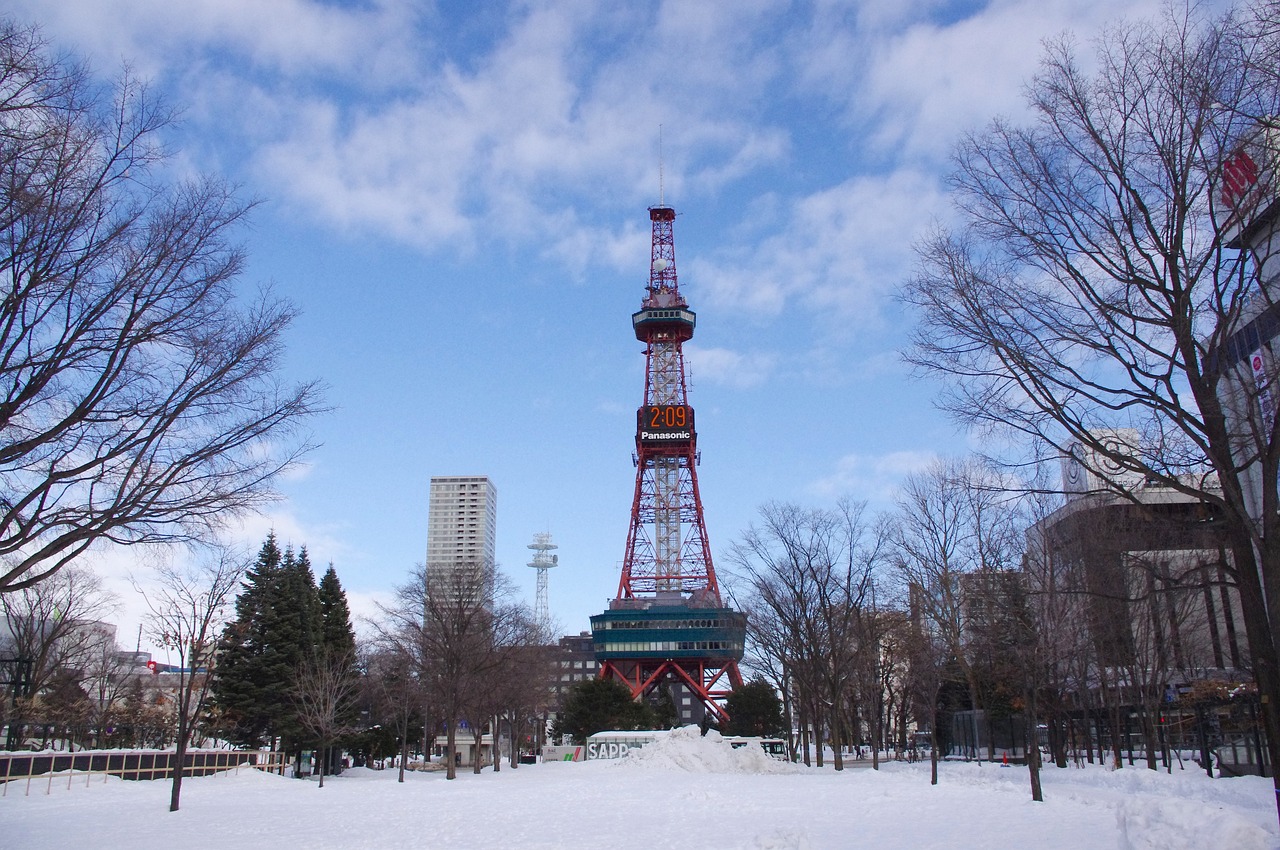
{"points": [[682, 792]]}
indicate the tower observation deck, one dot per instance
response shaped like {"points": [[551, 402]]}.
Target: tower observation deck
{"points": [[668, 628]]}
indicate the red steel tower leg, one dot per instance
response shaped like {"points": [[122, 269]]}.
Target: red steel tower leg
{"points": [[668, 625]]}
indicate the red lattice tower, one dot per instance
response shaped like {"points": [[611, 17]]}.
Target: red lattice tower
{"points": [[668, 624]]}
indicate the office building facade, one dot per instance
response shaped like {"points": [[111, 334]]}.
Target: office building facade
{"points": [[462, 522]]}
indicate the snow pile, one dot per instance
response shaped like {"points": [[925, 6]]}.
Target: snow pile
{"points": [[687, 749], [1158, 824]]}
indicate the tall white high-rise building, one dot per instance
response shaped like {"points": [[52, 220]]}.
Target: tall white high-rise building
{"points": [[462, 522]]}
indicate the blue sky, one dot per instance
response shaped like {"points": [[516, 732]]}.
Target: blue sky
{"points": [[456, 200]]}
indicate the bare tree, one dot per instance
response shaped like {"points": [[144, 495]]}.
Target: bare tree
{"points": [[957, 540], [770, 576], [890, 689], [523, 689], [459, 626], [807, 575], [108, 673], [1089, 285], [926, 660], [52, 623], [188, 604], [934, 546], [323, 687], [394, 692], [139, 399], [498, 673], [55, 627], [1057, 597], [769, 653]]}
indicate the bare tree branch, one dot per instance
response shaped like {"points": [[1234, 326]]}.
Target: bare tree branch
{"points": [[139, 400], [188, 604], [1098, 280]]}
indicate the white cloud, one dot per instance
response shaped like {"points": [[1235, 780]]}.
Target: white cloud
{"points": [[837, 253], [577, 247], [364, 609], [501, 123], [730, 368], [916, 77], [380, 174], [364, 44], [875, 478], [498, 136]]}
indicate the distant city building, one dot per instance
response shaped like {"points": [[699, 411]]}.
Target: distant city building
{"points": [[1150, 575], [462, 524], [1249, 219], [574, 662]]}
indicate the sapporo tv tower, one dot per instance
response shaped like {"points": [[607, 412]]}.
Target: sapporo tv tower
{"points": [[667, 628]]}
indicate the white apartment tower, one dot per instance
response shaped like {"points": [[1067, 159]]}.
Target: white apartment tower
{"points": [[462, 521]]}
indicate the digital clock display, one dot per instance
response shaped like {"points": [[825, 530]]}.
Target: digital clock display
{"points": [[665, 424]]}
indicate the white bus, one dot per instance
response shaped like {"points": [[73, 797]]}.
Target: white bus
{"points": [[773, 747]]}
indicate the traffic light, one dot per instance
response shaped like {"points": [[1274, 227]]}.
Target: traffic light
{"points": [[153, 667]]}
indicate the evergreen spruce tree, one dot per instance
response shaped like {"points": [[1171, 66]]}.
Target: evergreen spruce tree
{"points": [[338, 641], [595, 705], [755, 710], [336, 634], [242, 689], [293, 624], [278, 626]]}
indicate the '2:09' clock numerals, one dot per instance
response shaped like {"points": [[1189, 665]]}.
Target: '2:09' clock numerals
{"points": [[665, 418], [669, 416]]}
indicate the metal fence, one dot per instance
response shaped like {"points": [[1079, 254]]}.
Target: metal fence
{"points": [[977, 736], [46, 768]]}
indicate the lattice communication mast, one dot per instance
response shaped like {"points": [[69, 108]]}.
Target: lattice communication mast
{"points": [[542, 561], [668, 627]]}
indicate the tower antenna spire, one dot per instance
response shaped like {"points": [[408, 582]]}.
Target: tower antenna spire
{"points": [[661, 187]]}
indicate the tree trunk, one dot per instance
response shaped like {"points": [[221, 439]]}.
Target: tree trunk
{"points": [[876, 735], [1032, 724], [497, 755], [451, 750], [933, 749], [516, 728], [819, 733], [1149, 713], [837, 737], [1111, 709], [902, 723], [1262, 651], [1086, 731], [974, 703], [180, 754], [175, 790], [789, 714]]}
